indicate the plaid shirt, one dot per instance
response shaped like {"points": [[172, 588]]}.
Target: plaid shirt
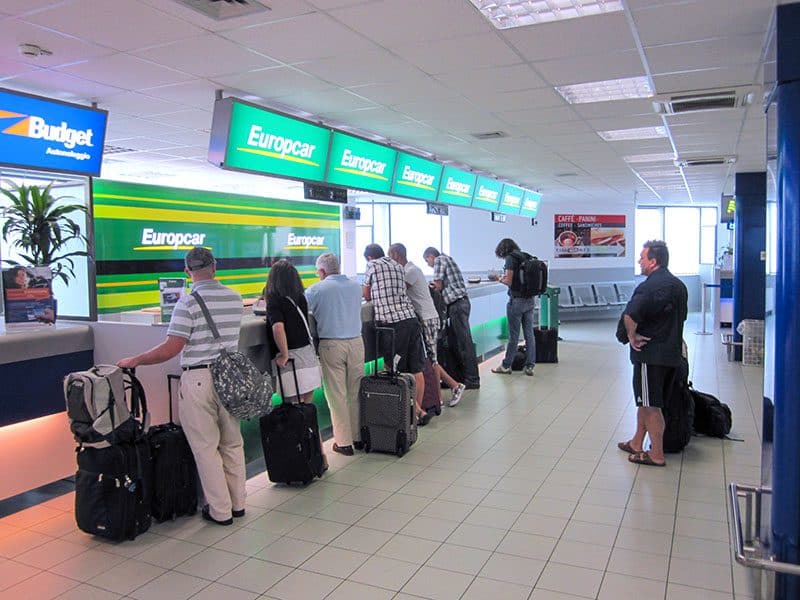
{"points": [[446, 270], [387, 282]]}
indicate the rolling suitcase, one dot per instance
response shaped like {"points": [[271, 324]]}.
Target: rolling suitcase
{"points": [[113, 483], [290, 439], [546, 344], [386, 408], [174, 469], [432, 395]]}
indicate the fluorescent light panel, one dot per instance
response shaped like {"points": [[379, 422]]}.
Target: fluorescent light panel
{"points": [[506, 14], [649, 158], [637, 133], [605, 91]]}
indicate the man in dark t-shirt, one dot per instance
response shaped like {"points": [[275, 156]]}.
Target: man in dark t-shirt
{"points": [[653, 321]]}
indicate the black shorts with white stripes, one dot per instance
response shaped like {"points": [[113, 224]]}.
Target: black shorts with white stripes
{"points": [[652, 384]]}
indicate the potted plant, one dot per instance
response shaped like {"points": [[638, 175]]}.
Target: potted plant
{"points": [[40, 228]]}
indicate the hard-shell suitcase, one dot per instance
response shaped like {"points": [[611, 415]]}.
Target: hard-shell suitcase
{"points": [[290, 439], [113, 490], [174, 469], [546, 344], [432, 395], [386, 408]]}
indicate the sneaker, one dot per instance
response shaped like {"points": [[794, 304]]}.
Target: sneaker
{"points": [[500, 369], [529, 370], [455, 398]]}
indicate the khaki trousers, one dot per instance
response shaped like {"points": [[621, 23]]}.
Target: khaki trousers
{"points": [[216, 442], [342, 364]]}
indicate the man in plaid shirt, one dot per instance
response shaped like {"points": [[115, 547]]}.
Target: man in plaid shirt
{"points": [[385, 287], [447, 279]]}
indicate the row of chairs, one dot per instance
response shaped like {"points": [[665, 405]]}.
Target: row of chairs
{"points": [[595, 295]]}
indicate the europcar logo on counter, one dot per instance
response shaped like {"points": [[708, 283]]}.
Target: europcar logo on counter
{"points": [[169, 240], [305, 242], [36, 132]]}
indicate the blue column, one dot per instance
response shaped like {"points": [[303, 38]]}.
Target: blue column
{"points": [[749, 276], [786, 457]]}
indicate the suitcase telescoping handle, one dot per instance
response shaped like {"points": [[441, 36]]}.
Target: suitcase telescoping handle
{"points": [[280, 381], [170, 378], [390, 330]]}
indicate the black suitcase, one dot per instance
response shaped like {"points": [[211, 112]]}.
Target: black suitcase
{"points": [[174, 469], [546, 344], [113, 490], [448, 356], [386, 408], [290, 440], [678, 411]]}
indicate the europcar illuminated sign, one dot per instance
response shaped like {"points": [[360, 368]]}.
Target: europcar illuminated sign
{"points": [[487, 193], [512, 199], [457, 187], [530, 204], [46, 134], [416, 177], [359, 163], [251, 138]]}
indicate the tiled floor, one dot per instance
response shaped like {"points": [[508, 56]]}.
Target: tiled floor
{"points": [[519, 492]]}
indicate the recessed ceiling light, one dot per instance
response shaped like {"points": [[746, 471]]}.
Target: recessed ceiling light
{"points": [[604, 91], [649, 158], [506, 14], [637, 133]]}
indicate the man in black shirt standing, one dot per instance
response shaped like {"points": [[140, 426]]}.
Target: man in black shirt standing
{"points": [[653, 320]]}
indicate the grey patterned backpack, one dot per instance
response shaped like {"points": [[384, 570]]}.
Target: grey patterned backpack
{"points": [[243, 390]]}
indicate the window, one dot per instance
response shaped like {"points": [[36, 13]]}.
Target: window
{"points": [[649, 226], [682, 234], [708, 236]]}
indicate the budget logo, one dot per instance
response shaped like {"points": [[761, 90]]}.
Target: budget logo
{"points": [[37, 128]]}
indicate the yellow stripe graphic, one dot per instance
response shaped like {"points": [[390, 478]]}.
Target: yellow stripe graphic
{"points": [[181, 216], [421, 186], [212, 205], [279, 156], [361, 173], [305, 247], [166, 247], [459, 194]]}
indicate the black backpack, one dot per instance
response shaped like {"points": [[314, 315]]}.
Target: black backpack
{"points": [[532, 275], [678, 411], [711, 417]]}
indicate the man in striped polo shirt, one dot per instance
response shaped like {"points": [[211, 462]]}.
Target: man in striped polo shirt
{"points": [[212, 432]]}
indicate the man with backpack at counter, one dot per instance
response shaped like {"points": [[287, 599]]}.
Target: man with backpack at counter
{"points": [[653, 324], [520, 307], [212, 433]]}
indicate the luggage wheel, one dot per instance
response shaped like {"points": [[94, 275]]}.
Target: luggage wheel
{"points": [[365, 438]]}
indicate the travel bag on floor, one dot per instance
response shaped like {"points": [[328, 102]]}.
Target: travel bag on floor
{"points": [[174, 470], [546, 344], [448, 356], [711, 417], [107, 411], [386, 407], [432, 395], [290, 439]]}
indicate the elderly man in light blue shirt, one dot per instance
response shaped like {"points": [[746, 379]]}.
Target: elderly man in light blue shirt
{"points": [[335, 303]]}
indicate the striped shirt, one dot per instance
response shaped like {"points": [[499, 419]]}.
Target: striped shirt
{"points": [[387, 282], [446, 270], [188, 322]]}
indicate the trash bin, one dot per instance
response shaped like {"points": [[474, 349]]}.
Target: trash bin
{"points": [[752, 331], [548, 307]]}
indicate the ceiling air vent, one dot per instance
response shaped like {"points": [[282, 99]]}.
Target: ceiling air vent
{"points": [[675, 104], [711, 161], [489, 135], [219, 10]]}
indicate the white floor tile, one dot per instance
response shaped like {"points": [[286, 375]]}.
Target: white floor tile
{"points": [[625, 587], [429, 528], [41, 586], [459, 558], [210, 564], [540, 525], [304, 584], [350, 590], [581, 554], [50, 554], [88, 565], [21, 542], [638, 564], [700, 574], [170, 586], [437, 584], [570, 580], [255, 575], [127, 576], [362, 539], [247, 542], [385, 572], [217, 591], [476, 536], [85, 591], [289, 551], [513, 569], [336, 562], [12, 573], [410, 549], [482, 588], [317, 531]]}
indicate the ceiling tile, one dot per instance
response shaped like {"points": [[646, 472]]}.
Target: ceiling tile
{"points": [[304, 38], [271, 83], [493, 80], [706, 79], [535, 115], [443, 56], [502, 102], [368, 67], [24, 7], [701, 20], [706, 54], [136, 104], [198, 93], [192, 118], [422, 89], [65, 49], [60, 85], [11, 68], [599, 67], [125, 71], [207, 55], [599, 34], [324, 102], [109, 23], [393, 23], [617, 108]]}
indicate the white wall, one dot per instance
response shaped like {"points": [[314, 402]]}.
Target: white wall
{"points": [[473, 237]]}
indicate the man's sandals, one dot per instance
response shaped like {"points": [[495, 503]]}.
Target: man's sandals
{"points": [[638, 457]]}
